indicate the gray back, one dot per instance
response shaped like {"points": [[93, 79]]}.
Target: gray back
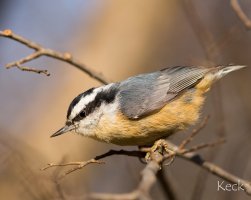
{"points": [[146, 93]]}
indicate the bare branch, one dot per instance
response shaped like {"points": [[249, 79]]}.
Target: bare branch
{"points": [[202, 146], [164, 150], [149, 173], [79, 165], [167, 185], [24, 60], [82, 164], [29, 69], [148, 178], [41, 51], [55, 177], [194, 133], [205, 37], [239, 12], [213, 53], [112, 152], [212, 168]]}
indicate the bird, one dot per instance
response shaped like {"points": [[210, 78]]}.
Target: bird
{"points": [[144, 108]]}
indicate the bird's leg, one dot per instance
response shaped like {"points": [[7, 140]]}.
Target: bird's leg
{"points": [[161, 146]]}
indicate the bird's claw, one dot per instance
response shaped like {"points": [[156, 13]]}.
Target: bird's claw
{"points": [[161, 146]]}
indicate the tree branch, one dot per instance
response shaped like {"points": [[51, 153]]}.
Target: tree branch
{"points": [[41, 51], [240, 13], [79, 165], [216, 170], [148, 178], [149, 173], [158, 156], [167, 186], [82, 164]]}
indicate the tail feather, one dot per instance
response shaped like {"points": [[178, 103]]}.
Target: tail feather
{"points": [[224, 70]]}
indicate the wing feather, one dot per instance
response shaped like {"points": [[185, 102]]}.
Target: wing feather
{"points": [[146, 93]]}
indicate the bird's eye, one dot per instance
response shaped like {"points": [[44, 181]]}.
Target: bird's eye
{"points": [[82, 114]]}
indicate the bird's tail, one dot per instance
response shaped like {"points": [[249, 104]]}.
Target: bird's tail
{"points": [[224, 70]]}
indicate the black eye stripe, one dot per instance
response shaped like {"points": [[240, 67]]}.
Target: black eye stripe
{"points": [[77, 99], [104, 96]]}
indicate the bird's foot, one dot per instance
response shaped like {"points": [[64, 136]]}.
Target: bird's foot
{"points": [[159, 146]]}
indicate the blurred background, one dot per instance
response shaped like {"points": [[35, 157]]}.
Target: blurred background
{"points": [[120, 39]]}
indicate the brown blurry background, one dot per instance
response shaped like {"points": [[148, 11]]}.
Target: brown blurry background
{"points": [[119, 38]]}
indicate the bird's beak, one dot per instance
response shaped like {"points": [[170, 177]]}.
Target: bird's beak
{"points": [[63, 130]]}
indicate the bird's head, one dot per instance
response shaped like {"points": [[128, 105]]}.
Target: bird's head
{"points": [[86, 110]]}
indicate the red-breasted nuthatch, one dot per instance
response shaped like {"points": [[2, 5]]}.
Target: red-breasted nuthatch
{"points": [[143, 108]]}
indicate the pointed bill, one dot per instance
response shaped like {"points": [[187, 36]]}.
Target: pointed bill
{"points": [[63, 130]]}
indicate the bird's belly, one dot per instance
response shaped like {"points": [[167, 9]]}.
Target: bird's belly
{"points": [[175, 115]]}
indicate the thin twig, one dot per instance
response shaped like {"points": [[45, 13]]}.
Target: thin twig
{"points": [[213, 52], [205, 37], [158, 157], [213, 169], [82, 164], [29, 69], [112, 152], [203, 146], [142, 192], [240, 13], [41, 51], [79, 165], [55, 177], [194, 133], [148, 175]]}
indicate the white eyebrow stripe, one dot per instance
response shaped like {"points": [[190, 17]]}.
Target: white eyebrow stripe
{"points": [[87, 99]]}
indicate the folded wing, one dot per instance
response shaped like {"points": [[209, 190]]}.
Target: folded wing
{"points": [[146, 93]]}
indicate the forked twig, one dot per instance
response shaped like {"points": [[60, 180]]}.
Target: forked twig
{"points": [[79, 165], [41, 51], [148, 175], [82, 164]]}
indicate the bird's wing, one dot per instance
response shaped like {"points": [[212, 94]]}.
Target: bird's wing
{"points": [[146, 93]]}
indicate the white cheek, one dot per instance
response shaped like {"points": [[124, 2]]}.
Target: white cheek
{"points": [[87, 126], [90, 124], [110, 110]]}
